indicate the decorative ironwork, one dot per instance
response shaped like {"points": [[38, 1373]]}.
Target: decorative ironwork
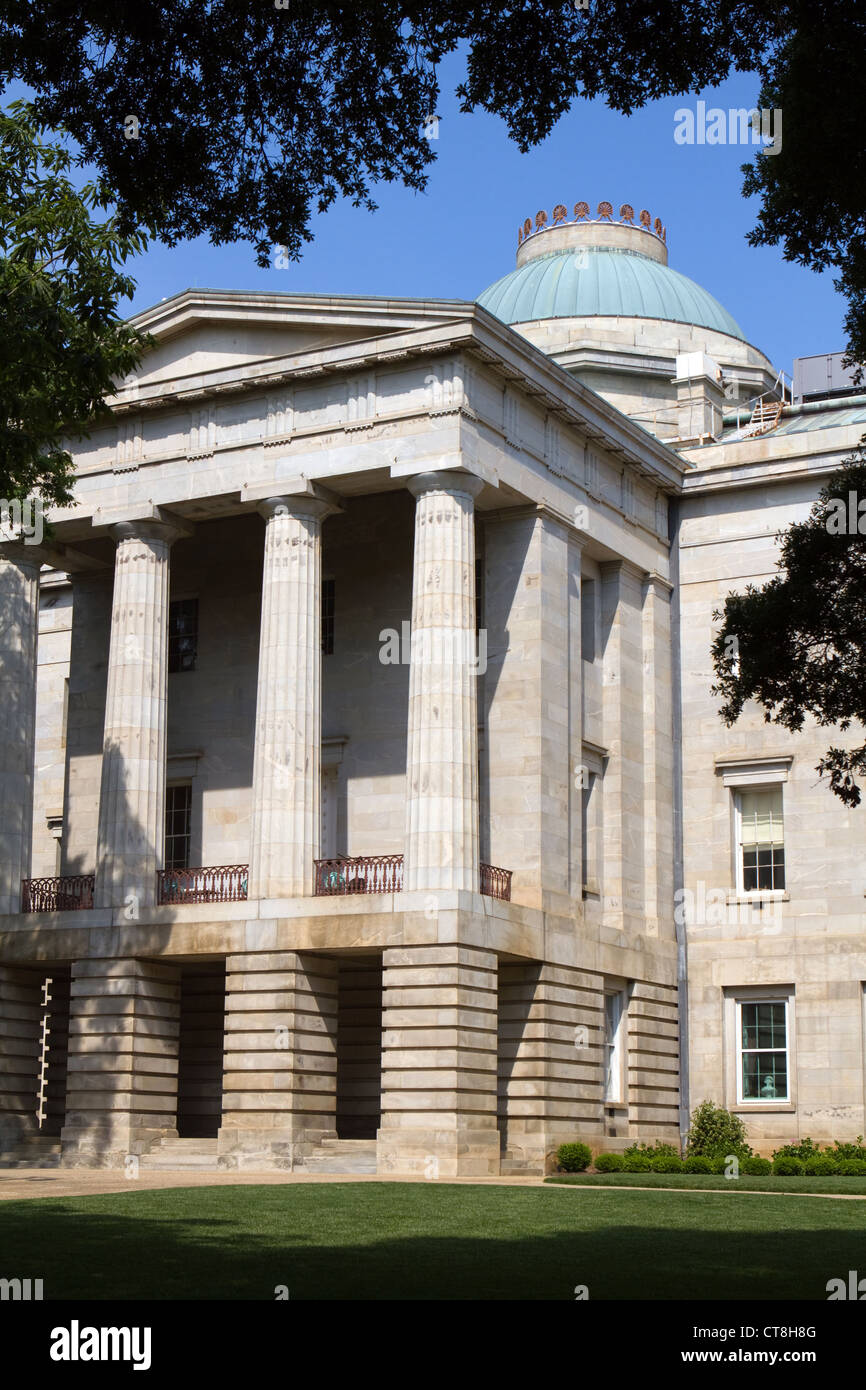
{"points": [[496, 883], [70, 893], [383, 873], [225, 884], [582, 213]]}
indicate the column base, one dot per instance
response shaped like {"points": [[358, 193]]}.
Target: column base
{"points": [[107, 1145], [267, 1150], [438, 1153]]}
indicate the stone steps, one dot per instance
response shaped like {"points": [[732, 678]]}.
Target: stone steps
{"points": [[33, 1151], [343, 1156], [191, 1155]]}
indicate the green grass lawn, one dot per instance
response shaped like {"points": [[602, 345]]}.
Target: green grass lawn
{"points": [[436, 1241], [705, 1182]]}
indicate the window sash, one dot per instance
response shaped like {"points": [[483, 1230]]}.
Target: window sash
{"points": [[762, 1050], [614, 1013], [760, 840]]}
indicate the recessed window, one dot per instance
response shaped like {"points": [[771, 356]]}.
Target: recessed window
{"points": [[762, 1031], [614, 1021], [760, 840], [182, 634], [328, 601], [178, 817]]}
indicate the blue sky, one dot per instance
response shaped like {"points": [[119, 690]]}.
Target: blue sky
{"points": [[461, 234]]}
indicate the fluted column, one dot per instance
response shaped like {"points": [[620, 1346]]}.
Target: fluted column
{"points": [[19, 623], [130, 839], [288, 755], [441, 849]]}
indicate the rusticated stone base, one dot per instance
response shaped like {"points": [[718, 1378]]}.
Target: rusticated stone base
{"points": [[438, 1153]]}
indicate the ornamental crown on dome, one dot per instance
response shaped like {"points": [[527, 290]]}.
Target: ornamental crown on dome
{"points": [[582, 214]]}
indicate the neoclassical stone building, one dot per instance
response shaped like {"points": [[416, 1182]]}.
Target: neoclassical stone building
{"points": [[363, 802]]}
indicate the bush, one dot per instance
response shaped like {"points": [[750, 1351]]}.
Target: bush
{"points": [[715, 1132], [786, 1167], [697, 1163], [667, 1163], [756, 1167], [853, 1167], [844, 1153], [573, 1157], [721, 1164], [651, 1151], [804, 1149], [609, 1163], [636, 1163], [821, 1166]]}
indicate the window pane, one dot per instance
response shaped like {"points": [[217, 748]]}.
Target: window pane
{"points": [[761, 817], [765, 1076]]}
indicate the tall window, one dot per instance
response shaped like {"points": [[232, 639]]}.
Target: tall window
{"points": [[614, 1027], [178, 809], [763, 1049], [760, 840], [328, 600], [182, 634]]}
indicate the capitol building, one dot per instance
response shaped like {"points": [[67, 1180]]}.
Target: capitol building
{"points": [[365, 805]]}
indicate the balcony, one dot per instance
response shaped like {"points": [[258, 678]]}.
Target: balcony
{"points": [[383, 873], [224, 884], [71, 893]]}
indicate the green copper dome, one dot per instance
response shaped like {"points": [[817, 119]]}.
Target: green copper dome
{"points": [[606, 281]]}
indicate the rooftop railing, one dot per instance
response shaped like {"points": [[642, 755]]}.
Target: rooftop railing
{"points": [[383, 873]]}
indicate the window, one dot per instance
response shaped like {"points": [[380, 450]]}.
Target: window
{"points": [[178, 808], [182, 634], [591, 785], [587, 620], [328, 598], [762, 1029], [760, 840], [614, 1017]]}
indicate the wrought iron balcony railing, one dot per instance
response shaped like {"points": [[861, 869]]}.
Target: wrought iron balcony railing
{"points": [[225, 884], [69, 893], [383, 873]]}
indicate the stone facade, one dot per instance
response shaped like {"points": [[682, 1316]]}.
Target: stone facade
{"points": [[434, 770]]}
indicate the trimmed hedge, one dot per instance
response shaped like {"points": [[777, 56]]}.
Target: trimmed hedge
{"points": [[609, 1163], [821, 1167], [788, 1167], [756, 1167], [573, 1157], [667, 1163], [853, 1168], [697, 1163], [636, 1163]]}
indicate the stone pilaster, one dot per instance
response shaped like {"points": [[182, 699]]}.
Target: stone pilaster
{"points": [[286, 799], [551, 1020], [441, 849], [624, 720], [280, 1061], [658, 759], [439, 1062], [121, 1082], [20, 1052], [19, 624], [130, 841]]}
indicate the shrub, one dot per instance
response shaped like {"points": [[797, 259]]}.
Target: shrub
{"points": [[667, 1163], [636, 1163], [756, 1167], [610, 1163], [821, 1166], [803, 1149], [656, 1150], [720, 1164], [716, 1132], [786, 1167], [848, 1152], [573, 1157], [697, 1163], [853, 1167]]}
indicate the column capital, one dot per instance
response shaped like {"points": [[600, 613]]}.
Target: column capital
{"points": [[314, 508], [168, 530], [444, 480]]}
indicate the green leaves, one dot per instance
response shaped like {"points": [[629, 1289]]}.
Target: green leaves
{"points": [[797, 646], [62, 344]]}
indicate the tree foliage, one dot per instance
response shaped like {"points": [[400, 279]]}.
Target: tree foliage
{"points": [[796, 645], [254, 114], [62, 343]]}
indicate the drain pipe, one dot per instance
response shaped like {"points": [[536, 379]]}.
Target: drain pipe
{"points": [[677, 710]]}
